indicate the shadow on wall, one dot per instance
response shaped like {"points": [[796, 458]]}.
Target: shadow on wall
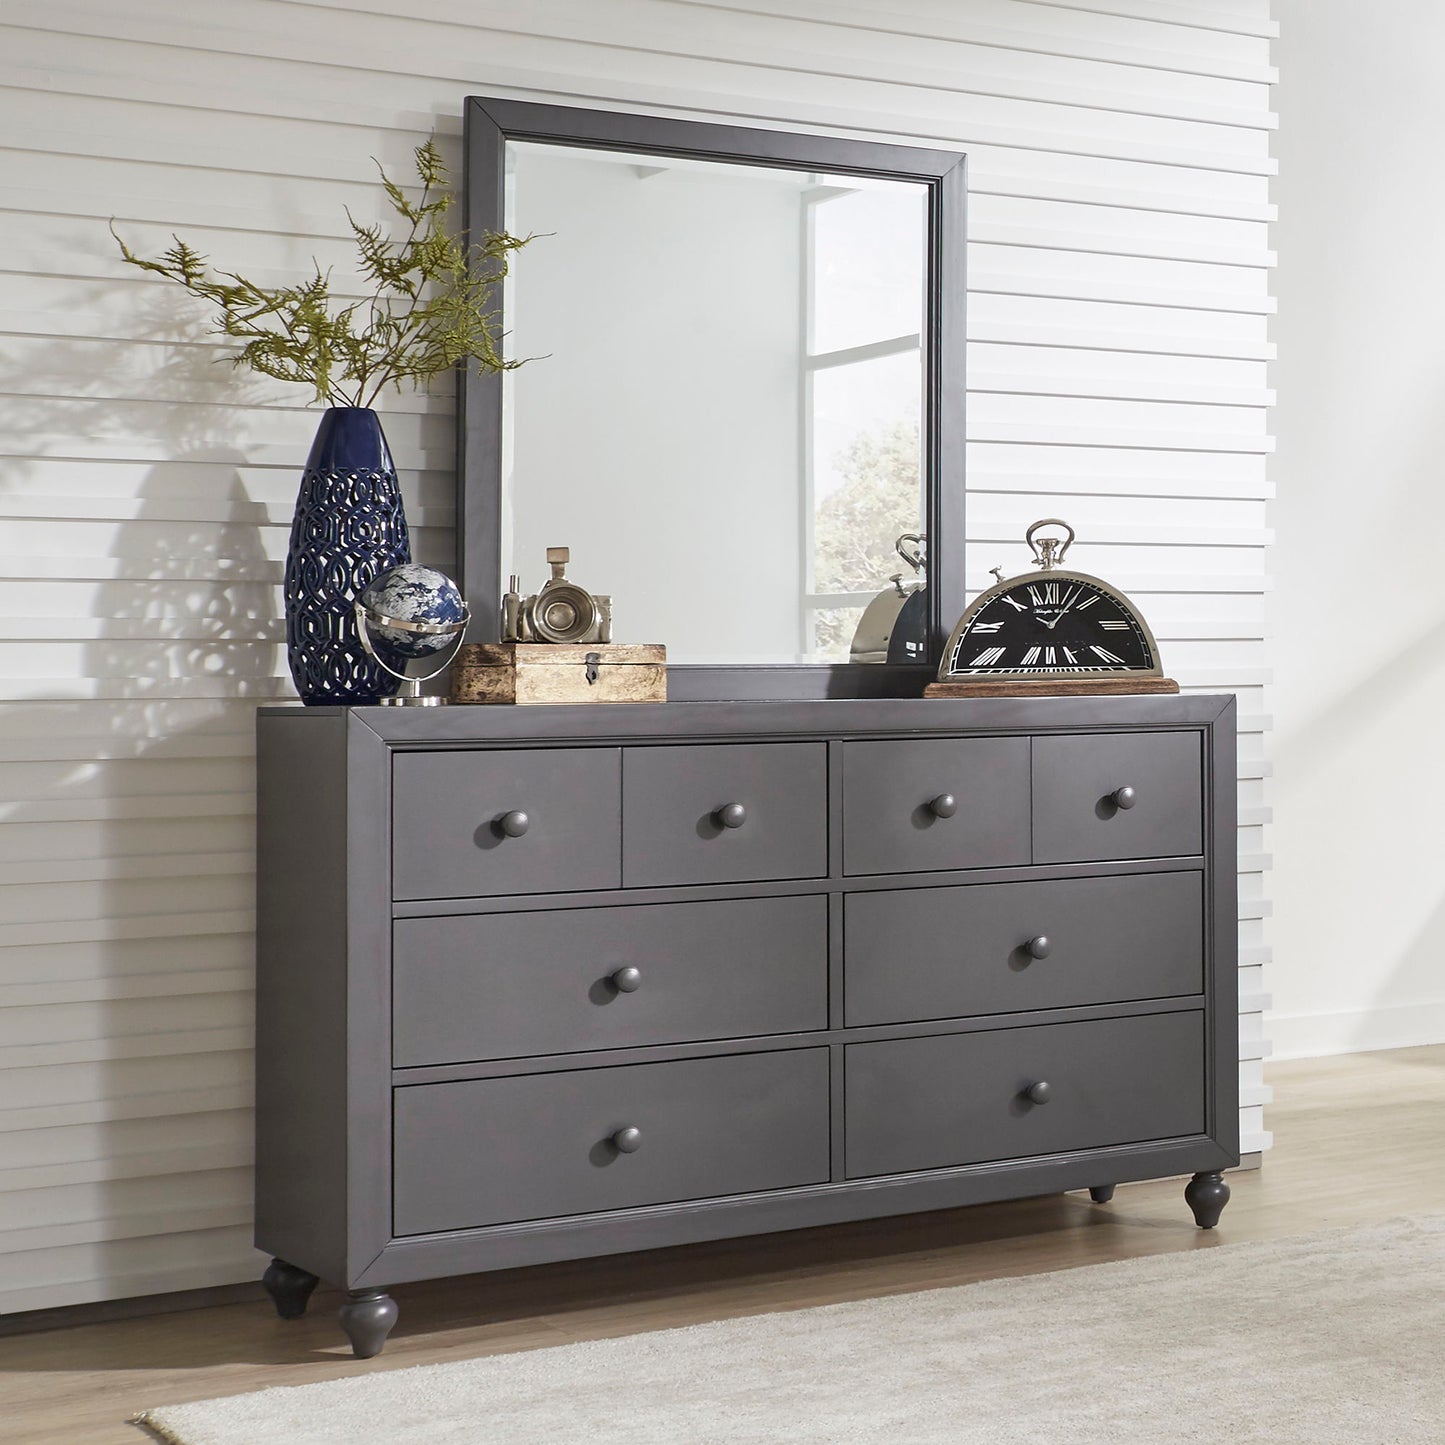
{"points": [[142, 620]]}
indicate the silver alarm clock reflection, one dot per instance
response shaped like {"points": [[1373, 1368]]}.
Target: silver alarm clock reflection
{"points": [[894, 625], [407, 616]]}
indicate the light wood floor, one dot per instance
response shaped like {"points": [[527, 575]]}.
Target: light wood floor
{"points": [[1357, 1139]]}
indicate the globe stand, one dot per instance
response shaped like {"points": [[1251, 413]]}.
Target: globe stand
{"points": [[411, 694]]}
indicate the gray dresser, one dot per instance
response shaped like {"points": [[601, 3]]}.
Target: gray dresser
{"points": [[535, 984]]}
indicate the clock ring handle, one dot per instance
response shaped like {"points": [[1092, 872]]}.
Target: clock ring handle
{"points": [[1044, 552], [916, 555]]}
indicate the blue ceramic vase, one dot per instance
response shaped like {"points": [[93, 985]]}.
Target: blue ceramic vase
{"points": [[349, 527]]}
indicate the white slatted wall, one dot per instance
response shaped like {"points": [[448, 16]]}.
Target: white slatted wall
{"points": [[1119, 166]]}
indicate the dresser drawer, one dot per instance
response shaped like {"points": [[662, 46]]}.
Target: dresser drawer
{"points": [[504, 985], [924, 804], [493, 1151], [509, 821], [932, 1103], [730, 813], [1099, 796], [929, 953]]}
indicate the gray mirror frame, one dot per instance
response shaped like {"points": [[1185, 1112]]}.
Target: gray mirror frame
{"points": [[489, 124]]}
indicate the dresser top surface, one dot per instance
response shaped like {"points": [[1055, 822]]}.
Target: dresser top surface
{"points": [[831, 717]]}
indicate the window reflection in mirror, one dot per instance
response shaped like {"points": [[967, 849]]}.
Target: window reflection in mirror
{"points": [[723, 418]]}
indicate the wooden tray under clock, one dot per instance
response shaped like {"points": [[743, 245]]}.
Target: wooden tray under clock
{"points": [[1051, 687]]}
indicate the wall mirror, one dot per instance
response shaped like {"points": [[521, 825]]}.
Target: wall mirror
{"points": [[747, 384]]}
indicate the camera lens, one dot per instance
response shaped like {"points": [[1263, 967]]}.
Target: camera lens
{"points": [[565, 612], [561, 616]]}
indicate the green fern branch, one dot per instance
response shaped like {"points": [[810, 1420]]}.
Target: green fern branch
{"points": [[430, 305]]}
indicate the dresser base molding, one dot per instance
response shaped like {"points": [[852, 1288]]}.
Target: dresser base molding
{"points": [[369, 1313], [433, 889], [626, 1231]]}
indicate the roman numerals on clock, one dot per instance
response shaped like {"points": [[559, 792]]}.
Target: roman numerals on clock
{"points": [[1056, 594], [1045, 625]]}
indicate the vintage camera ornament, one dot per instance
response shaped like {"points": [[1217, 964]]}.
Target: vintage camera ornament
{"points": [[560, 611]]}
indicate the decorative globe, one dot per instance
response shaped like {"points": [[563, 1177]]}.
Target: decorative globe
{"points": [[420, 599]]}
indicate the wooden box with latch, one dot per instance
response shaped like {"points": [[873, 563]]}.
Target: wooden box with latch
{"points": [[558, 672]]}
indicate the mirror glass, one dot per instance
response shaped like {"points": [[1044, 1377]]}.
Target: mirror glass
{"points": [[721, 416]]}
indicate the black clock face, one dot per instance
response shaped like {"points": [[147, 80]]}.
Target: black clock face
{"points": [[1052, 624]]}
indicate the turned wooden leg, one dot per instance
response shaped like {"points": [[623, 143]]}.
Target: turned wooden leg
{"points": [[367, 1317], [1207, 1194], [1101, 1193], [289, 1287]]}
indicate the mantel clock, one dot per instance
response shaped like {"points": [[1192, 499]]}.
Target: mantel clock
{"points": [[1051, 631]]}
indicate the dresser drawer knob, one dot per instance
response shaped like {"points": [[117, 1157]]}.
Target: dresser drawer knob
{"points": [[1123, 798], [733, 815], [627, 1141], [1039, 1093], [945, 805], [514, 824], [1039, 946], [626, 980]]}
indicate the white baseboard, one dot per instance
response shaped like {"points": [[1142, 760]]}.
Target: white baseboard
{"points": [[1311, 1036]]}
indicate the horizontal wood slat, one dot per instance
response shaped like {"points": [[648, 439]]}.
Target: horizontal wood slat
{"points": [[1118, 44], [1231, 19], [137, 1046]]}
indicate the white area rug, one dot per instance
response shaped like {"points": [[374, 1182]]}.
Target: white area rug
{"points": [[1327, 1339]]}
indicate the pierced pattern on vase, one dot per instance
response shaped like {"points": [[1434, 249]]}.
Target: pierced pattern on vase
{"points": [[349, 527]]}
